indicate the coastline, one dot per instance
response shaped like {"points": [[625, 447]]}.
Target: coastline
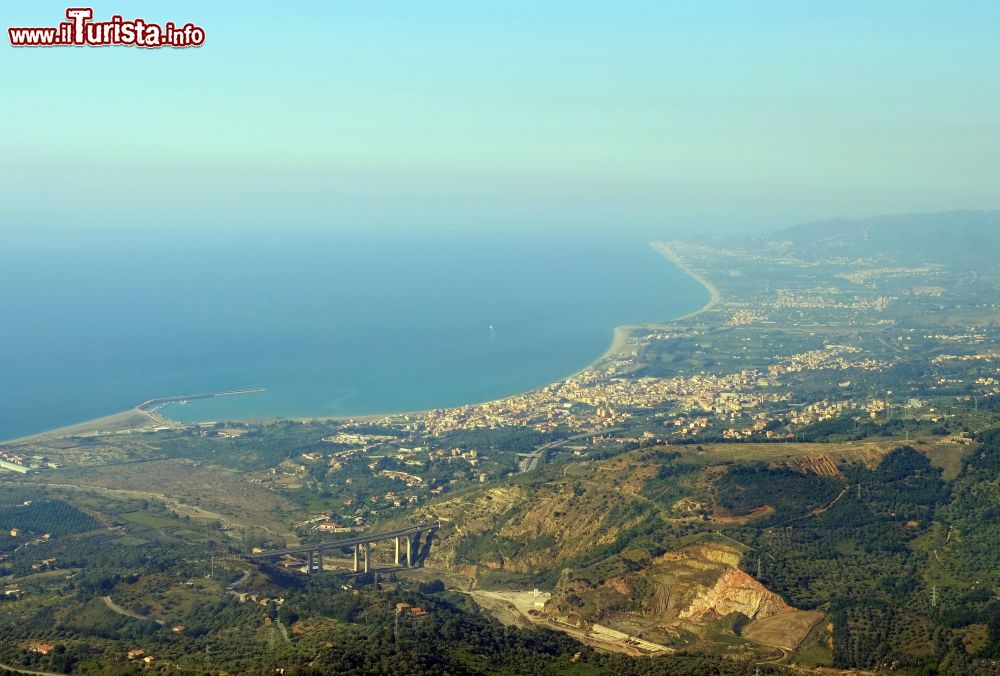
{"points": [[623, 334], [123, 420], [620, 341], [713, 293]]}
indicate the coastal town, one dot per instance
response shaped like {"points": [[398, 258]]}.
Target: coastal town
{"points": [[749, 392], [747, 367], [500, 339], [809, 364]]}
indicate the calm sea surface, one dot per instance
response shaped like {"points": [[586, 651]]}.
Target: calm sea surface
{"points": [[329, 323]]}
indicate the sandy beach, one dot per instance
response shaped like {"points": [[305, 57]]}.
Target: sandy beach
{"points": [[130, 419]]}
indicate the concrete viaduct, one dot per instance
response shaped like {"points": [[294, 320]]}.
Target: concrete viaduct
{"points": [[362, 548]]}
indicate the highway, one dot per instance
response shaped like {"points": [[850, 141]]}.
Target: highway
{"points": [[349, 542], [529, 461]]}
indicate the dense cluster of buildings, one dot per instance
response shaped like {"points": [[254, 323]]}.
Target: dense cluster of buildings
{"points": [[538, 409], [989, 355], [358, 439], [606, 396], [820, 301], [830, 357], [866, 275]]}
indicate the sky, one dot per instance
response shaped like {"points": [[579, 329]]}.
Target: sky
{"points": [[654, 115]]}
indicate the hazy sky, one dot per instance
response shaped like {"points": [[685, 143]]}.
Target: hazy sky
{"points": [[659, 114]]}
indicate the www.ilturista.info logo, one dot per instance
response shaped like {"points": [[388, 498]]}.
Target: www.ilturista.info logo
{"points": [[81, 31]]}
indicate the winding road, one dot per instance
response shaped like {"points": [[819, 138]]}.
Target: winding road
{"points": [[114, 607]]}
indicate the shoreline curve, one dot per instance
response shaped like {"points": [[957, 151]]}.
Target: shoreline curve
{"points": [[620, 341], [624, 332]]}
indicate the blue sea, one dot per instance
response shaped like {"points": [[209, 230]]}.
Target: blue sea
{"points": [[331, 323]]}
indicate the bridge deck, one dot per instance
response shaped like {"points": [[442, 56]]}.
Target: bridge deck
{"points": [[335, 544]]}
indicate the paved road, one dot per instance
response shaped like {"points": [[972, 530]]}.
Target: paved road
{"points": [[529, 461], [334, 544]]}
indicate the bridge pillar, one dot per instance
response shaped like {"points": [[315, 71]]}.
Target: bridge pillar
{"points": [[356, 557], [368, 546], [320, 566], [309, 563], [409, 551], [397, 550]]}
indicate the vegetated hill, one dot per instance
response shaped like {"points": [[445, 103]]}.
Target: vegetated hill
{"points": [[967, 238], [682, 548], [535, 525]]}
